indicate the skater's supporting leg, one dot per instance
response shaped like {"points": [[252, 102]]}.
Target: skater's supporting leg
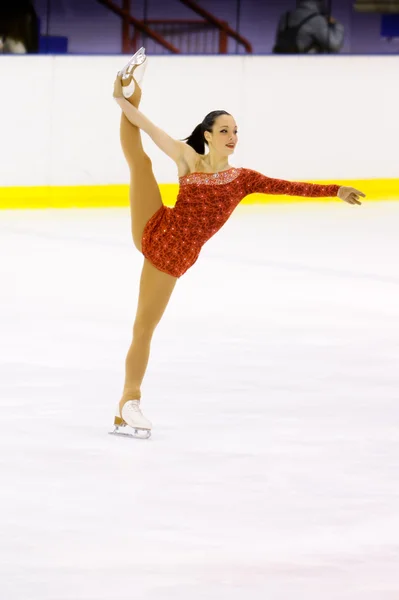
{"points": [[156, 288], [144, 194]]}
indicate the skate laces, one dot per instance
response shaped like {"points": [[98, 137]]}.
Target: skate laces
{"points": [[134, 406]]}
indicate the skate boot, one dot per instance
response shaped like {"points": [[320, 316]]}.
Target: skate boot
{"points": [[133, 73], [130, 422]]}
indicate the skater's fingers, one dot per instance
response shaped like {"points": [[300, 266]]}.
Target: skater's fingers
{"points": [[358, 192], [354, 198]]}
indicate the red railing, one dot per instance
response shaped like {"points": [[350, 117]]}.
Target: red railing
{"points": [[128, 21], [209, 35], [190, 36]]}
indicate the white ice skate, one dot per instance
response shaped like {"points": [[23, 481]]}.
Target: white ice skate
{"points": [[133, 72], [131, 418]]}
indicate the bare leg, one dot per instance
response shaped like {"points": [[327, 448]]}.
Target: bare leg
{"points": [[145, 198], [156, 288]]}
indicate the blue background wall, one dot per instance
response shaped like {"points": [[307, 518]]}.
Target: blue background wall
{"points": [[91, 28]]}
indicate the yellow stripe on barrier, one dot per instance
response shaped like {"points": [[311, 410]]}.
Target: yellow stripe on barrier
{"points": [[108, 196]]}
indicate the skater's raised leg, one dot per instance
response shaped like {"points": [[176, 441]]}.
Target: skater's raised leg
{"points": [[144, 194]]}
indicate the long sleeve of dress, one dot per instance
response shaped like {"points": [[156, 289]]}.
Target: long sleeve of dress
{"points": [[258, 183]]}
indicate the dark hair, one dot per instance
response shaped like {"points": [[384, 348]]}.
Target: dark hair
{"points": [[197, 139]]}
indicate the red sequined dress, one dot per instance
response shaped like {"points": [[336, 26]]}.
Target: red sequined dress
{"points": [[173, 237]]}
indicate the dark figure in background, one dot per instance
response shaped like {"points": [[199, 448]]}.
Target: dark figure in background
{"points": [[19, 28], [309, 29]]}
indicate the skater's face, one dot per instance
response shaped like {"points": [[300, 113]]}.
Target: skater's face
{"points": [[223, 138]]}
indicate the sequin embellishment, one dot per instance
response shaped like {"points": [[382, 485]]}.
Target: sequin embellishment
{"points": [[220, 178]]}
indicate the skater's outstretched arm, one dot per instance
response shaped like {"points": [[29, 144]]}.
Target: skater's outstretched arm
{"points": [[175, 149], [258, 183]]}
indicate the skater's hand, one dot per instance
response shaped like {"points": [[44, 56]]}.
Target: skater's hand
{"points": [[350, 195], [118, 87]]}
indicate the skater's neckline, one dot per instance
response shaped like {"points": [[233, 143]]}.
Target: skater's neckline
{"points": [[202, 178]]}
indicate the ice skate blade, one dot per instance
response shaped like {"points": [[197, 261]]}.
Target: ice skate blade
{"points": [[137, 434]]}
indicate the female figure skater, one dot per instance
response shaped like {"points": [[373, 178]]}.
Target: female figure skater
{"points": [[171, 238]]}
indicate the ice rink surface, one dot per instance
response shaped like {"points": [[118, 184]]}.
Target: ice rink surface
{"points": [[273, 388]]}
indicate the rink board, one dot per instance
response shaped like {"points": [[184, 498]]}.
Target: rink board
{"points": [[65, 150], [102, 196]]}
